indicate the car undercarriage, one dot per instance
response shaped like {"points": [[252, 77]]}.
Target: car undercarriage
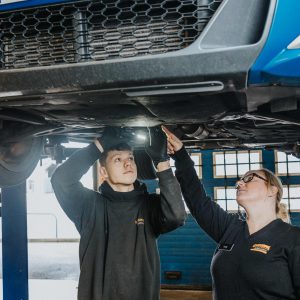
{"points": [[69, 69]]}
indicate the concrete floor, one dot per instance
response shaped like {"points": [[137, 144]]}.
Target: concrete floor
{"points": [[50, 290], [67, 290], [54, 272], [55, 261]]}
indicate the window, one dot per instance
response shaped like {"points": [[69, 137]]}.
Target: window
{"points": [[291, 196], [286, 164], [236, 163], [226, 198], [196, 157], [46, 218]]}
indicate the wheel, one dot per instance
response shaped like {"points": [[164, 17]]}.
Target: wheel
{"points": [[145, 168], [18, 160]]}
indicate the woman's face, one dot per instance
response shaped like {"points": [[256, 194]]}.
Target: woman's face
{"points": [[251, 188]]}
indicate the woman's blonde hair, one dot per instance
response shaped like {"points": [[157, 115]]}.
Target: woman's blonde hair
{"points": [[281, 208], [283, 213]]}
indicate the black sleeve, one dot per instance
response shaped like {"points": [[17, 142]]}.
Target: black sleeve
{"points": [[294, 264], [167, 209], [208, 214], [77, 201]]}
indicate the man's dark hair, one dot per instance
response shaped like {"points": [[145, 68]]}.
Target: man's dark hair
{"points": [[118, 147]]}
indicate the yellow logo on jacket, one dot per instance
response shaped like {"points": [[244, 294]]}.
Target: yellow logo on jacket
{"points": [[262, 248], [140, 221]]}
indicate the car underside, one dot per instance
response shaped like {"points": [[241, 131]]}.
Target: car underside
{"points": [[203, 120], [70, 69]]}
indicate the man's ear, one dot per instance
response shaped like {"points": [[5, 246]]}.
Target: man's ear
{"points": [[103, 173]]}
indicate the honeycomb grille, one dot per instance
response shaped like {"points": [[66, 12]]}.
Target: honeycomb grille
{"points": [[99, 30]]}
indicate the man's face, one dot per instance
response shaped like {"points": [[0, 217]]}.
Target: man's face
{"points": [[120, 168]]}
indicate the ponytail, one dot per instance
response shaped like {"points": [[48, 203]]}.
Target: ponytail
{"points": [[280, 208], [283, 212]]}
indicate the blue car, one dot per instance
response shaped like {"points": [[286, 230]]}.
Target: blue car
{"points": [[221, 74]]}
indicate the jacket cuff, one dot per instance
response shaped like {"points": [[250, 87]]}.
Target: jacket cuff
{"points": [[166, 174]]}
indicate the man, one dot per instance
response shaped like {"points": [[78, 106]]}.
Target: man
{"points": [[119, 226]]}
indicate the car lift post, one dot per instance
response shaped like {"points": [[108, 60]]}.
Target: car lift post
{"points": [[14, 243]]}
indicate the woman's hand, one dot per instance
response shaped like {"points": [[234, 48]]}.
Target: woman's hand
{"points": [[174, 143]]}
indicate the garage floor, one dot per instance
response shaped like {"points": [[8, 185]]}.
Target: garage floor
{"points": [[54, 271], [185, 295], [67, 290]]}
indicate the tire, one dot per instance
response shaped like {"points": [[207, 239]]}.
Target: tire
{"points": [[18, 160], [145, 168]]}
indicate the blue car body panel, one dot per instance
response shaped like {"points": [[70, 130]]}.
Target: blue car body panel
{"points": [[6, 5], [276, 63]]}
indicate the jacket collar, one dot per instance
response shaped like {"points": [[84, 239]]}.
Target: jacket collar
{"points": [[139, 190]]}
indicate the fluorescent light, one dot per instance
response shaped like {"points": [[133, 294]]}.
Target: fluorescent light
{"points": [[75, 145], [141, 137]]}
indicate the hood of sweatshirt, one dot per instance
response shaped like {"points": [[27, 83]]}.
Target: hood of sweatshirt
{"points": [[139, 190]]}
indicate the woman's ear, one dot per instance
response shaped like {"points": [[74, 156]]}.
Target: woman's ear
{"points": [[273, 190]]}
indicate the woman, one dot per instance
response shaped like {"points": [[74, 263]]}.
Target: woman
{"points": [[256, 258]]}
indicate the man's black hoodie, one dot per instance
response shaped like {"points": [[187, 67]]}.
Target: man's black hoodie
{"points": [[118, 252]]}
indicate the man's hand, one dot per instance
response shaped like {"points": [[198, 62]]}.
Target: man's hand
{"points": [[174, 143], [110, 137], [156, 146]]}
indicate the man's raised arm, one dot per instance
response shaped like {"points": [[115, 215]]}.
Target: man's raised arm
{"points": [[168, 211], [70, 193]]}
